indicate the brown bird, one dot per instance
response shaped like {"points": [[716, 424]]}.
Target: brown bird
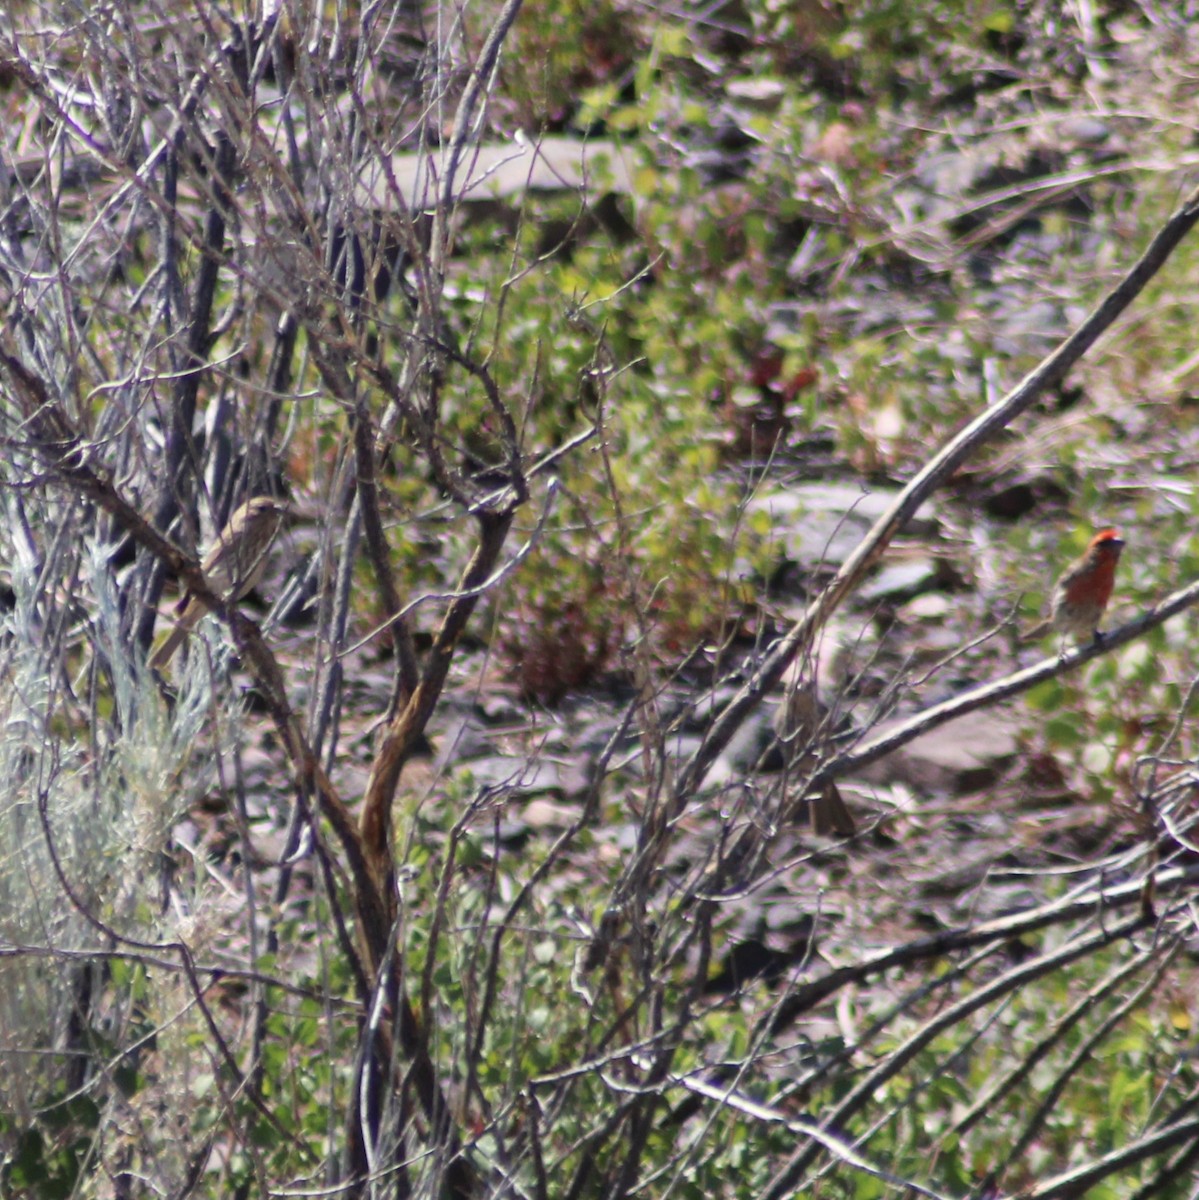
{"points": [[800, 721], [232, 566], [1082, 593]]}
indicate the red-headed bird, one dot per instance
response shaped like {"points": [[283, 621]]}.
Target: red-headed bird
{"points": [[1082, 593]]}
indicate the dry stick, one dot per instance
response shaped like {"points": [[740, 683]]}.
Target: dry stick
{"points": [[1000, 689], [400, 736], [1172, 1169], [397, 744], [1084, 1052], [951, 941], [985, 1103], [366, 457], [477, 87], [180, 447], [380, 552], [785, 1183], [403, 730], [976, 434], [1077, 1181], [215, 972]]}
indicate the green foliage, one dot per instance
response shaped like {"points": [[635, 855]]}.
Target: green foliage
{"points": [[558, 48], [657, 501]]}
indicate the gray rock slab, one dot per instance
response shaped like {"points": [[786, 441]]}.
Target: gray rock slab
{"points": [[497, 170], [824, 522], [960, 756]]}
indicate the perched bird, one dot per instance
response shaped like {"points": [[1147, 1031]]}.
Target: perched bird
{"points": [[232, 566], [1082, 593], [799, 723]]}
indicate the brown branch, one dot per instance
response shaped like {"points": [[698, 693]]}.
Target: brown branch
{"points": [[380, 552], [180, 444], [403, 734]]}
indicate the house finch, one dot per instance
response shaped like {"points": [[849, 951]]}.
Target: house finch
{"points": [[1082, 593], [232, 566], [800, 721]]}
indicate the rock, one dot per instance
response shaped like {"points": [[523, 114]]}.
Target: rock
{"points": [[824, 522], [461, 739], [931, 606], [505, 170], [546, 814], [902, 580], [518, 775], [1083, 129], [964, 755], [762, 94]]}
